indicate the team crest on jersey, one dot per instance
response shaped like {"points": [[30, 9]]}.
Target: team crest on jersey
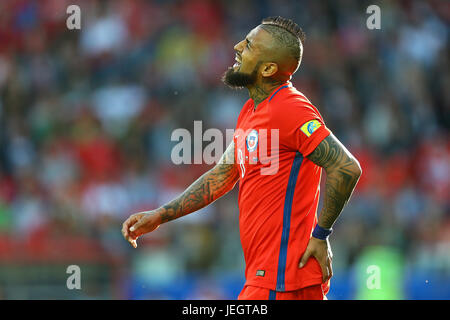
{"points": [[252, 141], [309, 127]]}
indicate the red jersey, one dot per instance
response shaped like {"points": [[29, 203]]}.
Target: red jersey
{"points": [[278, 188]]}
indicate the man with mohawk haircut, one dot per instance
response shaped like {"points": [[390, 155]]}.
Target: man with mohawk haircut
{"points": [[286, 246]]}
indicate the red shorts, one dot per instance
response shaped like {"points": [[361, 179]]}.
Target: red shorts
{"points": [[257, 293]]}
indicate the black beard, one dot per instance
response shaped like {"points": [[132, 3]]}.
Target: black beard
{"points": [[239, 80]]}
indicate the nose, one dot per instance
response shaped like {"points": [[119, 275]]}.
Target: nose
{"points": [[238, 46]]}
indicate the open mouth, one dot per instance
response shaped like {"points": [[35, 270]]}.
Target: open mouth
{"points": [[237, 64]]}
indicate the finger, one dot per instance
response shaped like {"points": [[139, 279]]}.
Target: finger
{"points": [[129, 222], [325, 272], [127, 234], [125, 230], [135, 228], [330, 269], [130, 236], [325, 275], [304, 258]]}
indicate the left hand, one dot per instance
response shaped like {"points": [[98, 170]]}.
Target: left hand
{"points": [[321, 250]]}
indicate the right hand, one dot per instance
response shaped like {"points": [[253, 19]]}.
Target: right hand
{"points": [[139, 224], [321, 250]]}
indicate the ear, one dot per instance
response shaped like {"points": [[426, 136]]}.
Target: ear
{"points": [[269, 69]]}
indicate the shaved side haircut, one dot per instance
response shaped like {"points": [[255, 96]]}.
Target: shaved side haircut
{"points": [[287, 34]]}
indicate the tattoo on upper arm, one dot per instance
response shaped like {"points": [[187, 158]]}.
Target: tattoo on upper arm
{"points": [[328, 153], [342, 177]]}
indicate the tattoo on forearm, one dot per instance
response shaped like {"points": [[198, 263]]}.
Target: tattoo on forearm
{"points": [[206, 189], [342, 175]]}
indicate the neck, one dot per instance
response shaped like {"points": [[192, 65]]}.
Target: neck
{"points": [[262, 90]]}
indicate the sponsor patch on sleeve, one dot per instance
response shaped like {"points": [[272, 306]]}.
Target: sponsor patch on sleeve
{"points": [[309, 127]]}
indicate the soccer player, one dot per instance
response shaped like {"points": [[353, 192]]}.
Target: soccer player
{"points": [[286, 247]]}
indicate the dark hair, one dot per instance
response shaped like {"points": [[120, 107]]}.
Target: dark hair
{"points": [[287, 33], [286, 24]]}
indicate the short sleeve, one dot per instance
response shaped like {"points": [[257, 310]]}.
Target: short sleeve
{"points": [[310, 135], [301, 126]]}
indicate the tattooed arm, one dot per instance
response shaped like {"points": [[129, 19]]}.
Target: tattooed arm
{"points": [[343, 172], [209, 187], [205, 190]]}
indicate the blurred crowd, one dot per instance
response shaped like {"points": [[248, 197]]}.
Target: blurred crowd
{"points": [[86, 118]]}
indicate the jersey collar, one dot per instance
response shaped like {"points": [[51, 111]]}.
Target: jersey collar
{"points": [[287, 84]]}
